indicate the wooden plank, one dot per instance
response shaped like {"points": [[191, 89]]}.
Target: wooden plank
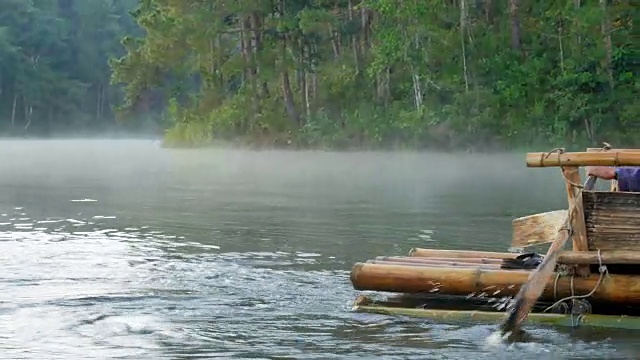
{"points": [[537, 228], [579, 237], [612, 220], [603, 158]]}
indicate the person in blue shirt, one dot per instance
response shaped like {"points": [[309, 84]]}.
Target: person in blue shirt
{"points": [[628, 177]]}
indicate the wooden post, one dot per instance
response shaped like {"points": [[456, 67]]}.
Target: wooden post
{"points": [[572, 175]]}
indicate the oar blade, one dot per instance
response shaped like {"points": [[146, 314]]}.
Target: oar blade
{"points": [[539, 278], [537, 228], [531, 291]]}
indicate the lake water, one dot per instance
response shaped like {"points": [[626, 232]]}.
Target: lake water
{"points": [[122, 249]]}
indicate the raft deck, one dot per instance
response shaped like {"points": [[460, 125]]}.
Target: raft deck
{"points": [[602, 268]]}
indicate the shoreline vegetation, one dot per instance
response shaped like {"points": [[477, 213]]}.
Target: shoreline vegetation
{"points": [[456, 75]]}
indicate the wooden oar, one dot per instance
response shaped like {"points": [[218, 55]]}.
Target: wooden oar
{"points": [[531, 291], [537, 228]]}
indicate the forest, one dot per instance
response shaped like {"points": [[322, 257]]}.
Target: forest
{"points": [[55, 77], [337, 74]]}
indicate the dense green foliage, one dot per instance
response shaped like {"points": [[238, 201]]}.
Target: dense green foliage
{"points": [[387, 72], [334, 73], [54, 71]]}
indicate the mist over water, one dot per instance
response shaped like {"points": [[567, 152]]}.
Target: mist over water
{"points": [[123, 249]]}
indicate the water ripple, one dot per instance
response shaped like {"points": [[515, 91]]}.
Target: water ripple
{"points": [[146, 254], [138, 296]]}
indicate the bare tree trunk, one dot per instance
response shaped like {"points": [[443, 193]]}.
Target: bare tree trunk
{"points": [[28, 110], [334, 42], [589, 128], [313, 104], [212, 57], [488, 13], [257, 26], [606, 28], [302, 79], [98, 100], [560, 45], [387, 87], [13, 110], [463, 26], [288, 98], [354, 39], [417, 90], [515, 24], [250, 63], [243, 52], [286, 85], [367, 18], [577, 4], [306, 95]]}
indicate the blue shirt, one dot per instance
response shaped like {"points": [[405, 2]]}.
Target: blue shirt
{"points": [[628, 178]]}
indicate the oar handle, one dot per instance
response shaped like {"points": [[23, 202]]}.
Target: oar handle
{"points": [[591, 182]]}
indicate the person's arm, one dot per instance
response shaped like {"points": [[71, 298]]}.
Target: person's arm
{"points": [[602, 172]]}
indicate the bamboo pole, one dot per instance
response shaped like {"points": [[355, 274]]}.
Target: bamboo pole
{"points": [[565, 257], [435, 263], [621, 150], [439, 259], [606, 257], [587, 320], [495, 283], [460, 254], [605, 158]]}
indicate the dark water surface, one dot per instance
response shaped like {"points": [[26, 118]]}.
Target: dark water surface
{"points": [[121, 249]]}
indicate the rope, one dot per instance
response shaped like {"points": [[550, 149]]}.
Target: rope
{"points": [[603, 271], [574, 184], [563, 270], [548, 153]]}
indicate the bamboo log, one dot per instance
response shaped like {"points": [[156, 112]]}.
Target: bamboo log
{"points": [[460, 254], [607, 257], [605, 158], [621, 150], [565, 257], [496, 283], [587, 320], [414, 259], [435, 264]]}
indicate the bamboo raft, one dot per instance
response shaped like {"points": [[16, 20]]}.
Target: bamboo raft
{"points": [[595, 283]]}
